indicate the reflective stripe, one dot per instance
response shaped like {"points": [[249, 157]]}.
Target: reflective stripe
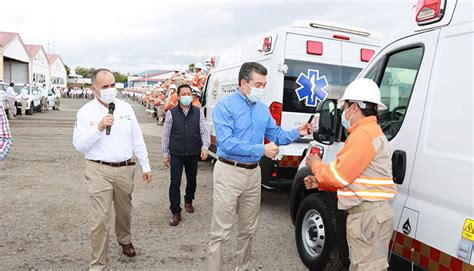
{"points": [[366, 194], [374, 178], [339, 178], [374, 181]]}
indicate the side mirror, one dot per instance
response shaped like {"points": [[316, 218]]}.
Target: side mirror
{"points": [[325, 122]]}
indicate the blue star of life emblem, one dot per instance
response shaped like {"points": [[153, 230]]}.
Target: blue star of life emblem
{"points": [[311, 87]]}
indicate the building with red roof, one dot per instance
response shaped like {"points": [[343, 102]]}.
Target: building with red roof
{"points": [[39, 64], [57, 70], [14, 59]]}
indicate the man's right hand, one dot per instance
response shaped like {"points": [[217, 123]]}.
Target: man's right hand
{"points": [[271, 150], [166, 161], [108, 120]]}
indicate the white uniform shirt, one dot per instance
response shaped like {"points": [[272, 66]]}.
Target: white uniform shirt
{"points": [[44, 92], [125, 137], [24, 93], [11, 93]]}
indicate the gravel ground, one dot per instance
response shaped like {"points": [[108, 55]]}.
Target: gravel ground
{"points": [[46, 217]]}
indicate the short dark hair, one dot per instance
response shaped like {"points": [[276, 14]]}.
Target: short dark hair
{"points": [[96, 72], [370, 109], [249, 67], [184, 86], [12, 84]]}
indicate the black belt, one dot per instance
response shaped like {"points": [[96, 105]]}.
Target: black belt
{"points": [[118, 164], [237, 164]]}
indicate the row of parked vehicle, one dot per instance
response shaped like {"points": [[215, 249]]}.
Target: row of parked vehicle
{"points": [[35, 98]]}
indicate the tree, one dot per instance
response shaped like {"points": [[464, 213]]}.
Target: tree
{"points": [[87, 73], [120, 77], [191, 67], [84, 72], [68, 70]]}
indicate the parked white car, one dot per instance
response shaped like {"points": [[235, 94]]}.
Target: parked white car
{"points": [[34, 99], [3, 95]]}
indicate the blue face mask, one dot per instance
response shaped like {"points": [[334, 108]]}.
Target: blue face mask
{"points": [[346, 122], [186, 100], [255, 94]]}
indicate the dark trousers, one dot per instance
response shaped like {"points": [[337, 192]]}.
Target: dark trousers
{"points": [[190, 164]]}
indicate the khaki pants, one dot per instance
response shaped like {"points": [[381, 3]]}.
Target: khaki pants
{"points": [[236, 190], [58, 102], [44, 103], [23, 106], [161, 114], [368, 236], [11, 107], [109, 185]]}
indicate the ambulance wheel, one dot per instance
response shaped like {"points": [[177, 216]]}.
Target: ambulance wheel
{"points": [[315, 234]]}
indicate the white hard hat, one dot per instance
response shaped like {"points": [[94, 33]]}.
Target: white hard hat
{"points": [[172, 86], [362, 90], [198, 66]]}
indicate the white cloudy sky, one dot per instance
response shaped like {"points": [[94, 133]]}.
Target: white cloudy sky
{"points": [[133, 35]]}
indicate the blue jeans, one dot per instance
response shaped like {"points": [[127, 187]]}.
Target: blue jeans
{"points": [[190, 164]]}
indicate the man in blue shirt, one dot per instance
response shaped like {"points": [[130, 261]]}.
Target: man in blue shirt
{"points": [[242, 122]]}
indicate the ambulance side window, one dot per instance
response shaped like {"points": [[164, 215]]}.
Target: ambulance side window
{"points": [[374, 71], [396, 85]]}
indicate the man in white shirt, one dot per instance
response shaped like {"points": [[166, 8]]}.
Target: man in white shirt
{"points": [[24, 99], [44, 99], [109, 171], [57, 93], [11, 97]]}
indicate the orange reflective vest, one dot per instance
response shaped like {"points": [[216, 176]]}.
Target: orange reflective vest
{"points": [[173, 101], [199, 80], [196, 102], [362, 170]]}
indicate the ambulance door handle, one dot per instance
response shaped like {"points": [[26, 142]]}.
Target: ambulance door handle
{"points": [[399, 166]]}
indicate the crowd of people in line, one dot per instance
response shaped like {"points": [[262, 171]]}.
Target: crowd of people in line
{"points": [[163, 96]]}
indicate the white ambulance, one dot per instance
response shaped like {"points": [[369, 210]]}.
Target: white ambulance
{"points": [[426, 80], [306, 61]]}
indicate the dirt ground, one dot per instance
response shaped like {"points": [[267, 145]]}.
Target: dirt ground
{"points": [[45, 215]]}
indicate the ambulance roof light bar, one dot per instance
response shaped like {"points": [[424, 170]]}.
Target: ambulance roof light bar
{"points": [[325, 25], [340, 29]]}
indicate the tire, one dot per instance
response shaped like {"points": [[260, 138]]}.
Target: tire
{"points": [[316, 233], [31, 110]]}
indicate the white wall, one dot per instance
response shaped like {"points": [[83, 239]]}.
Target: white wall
{"points": [[16, 50], [40, 69], [57, 70], [79, 80]]}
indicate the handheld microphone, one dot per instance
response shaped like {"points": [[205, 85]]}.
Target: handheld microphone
{"points": [[111, 111]]}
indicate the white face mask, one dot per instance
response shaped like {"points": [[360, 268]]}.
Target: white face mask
{"points": [[108, 95], [255, 94], [346, 122]]}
